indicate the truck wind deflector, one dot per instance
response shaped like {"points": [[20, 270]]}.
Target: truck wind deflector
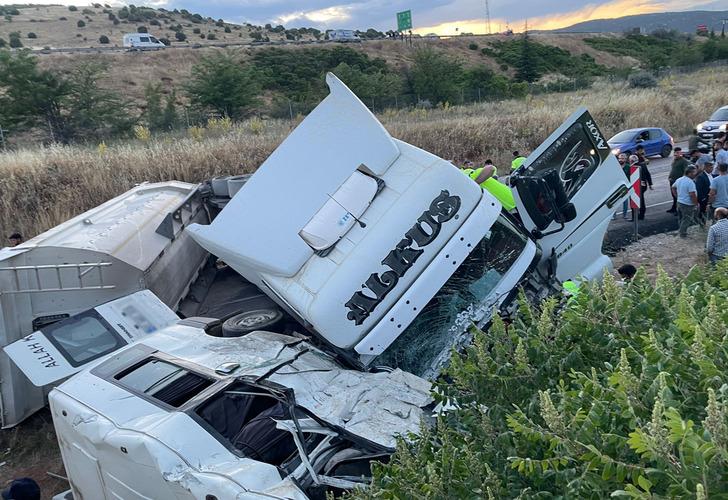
{"points": [[173, 223]]}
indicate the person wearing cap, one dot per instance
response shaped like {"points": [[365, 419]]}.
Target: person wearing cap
{"points": [[517, 160], [717, 244], [22, 489], [677, 170], [15, 239], [684, 191]]}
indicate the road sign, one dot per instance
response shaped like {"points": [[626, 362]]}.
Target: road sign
{"points": [[634, 193], [404, 20]]}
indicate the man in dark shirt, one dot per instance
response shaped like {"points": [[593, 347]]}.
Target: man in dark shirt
{"points": [[679, 164], [702, 186]]}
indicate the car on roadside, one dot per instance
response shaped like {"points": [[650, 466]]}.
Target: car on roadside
{"points": [[710, 129], [655, 141]]}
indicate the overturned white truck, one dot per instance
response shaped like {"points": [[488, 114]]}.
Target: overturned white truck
{"points": [[383, 253]]}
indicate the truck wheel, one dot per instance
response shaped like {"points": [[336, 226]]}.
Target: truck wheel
{"points": [[250, 321], [666, 150]]}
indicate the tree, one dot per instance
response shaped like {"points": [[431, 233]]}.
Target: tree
{"points": [[369, 84], [104, 39], [179, 36], [80, 23], [526, 70], [218, 82], [15, 42], [91, 110], [31, 35], [30, 96], [435, 76], [153, 111]]}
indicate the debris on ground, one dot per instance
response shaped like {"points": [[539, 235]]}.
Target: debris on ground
{"points": [[676, 255]]}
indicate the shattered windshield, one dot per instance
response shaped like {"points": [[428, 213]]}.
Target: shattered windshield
{"points": [[465, 298]]}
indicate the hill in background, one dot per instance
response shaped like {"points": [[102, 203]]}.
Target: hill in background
{"points": [[685, 22]]}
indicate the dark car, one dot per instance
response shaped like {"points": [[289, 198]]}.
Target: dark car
{"points": [[655, 141], [709, 130]]}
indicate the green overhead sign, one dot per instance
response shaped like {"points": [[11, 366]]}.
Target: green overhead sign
{"points": [[404, 20]]}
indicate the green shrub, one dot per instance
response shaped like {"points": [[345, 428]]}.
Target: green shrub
{"points": [[227, 29], [179, 36], [15, 42], [622, 392], [196, 31], [642, 81], [3, 43], [473, 46], [211, 36], [72, 8], [31, 35], [104, 39], [142, 29], [80, 23], [88, 12]]}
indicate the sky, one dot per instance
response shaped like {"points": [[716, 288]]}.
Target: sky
{"points": [[444, 17]]}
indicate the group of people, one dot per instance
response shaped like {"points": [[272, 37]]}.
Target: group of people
{"points": [[487, 178], [699, 186], [638, 160]]}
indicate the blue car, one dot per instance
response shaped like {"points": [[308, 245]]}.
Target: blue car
{"points": [[655, 141]]}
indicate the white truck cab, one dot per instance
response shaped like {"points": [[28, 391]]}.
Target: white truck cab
{"points": [[182, 414], [373, 244], [142, 41]]}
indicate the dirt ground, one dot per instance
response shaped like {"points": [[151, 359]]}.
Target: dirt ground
{"points": [[31, 450], [676, 255]]}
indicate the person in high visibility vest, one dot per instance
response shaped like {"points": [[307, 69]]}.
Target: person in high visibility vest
{"points": [[571, 290], [517, 160], [483, 176]]}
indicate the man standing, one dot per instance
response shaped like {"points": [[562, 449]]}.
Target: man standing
{"points": [[702, 186], [15, 239], [517, 160], [718, 196], [645, 181], [717, 244], [683, 190], [721, 156], [679, 164]]}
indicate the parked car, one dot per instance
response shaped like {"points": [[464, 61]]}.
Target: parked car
{"points": [[718, 122], [655, 141], [142, 41]]}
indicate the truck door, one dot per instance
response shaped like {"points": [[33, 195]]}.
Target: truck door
{"points": [[61, 349], [566, 192]]}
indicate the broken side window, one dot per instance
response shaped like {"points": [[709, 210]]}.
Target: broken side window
{"points": [[163, 381]]}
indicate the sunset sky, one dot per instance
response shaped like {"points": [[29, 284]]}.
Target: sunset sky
{"points": [[444, 17]]}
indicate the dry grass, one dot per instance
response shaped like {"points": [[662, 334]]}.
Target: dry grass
{"points": [[43, 186]]}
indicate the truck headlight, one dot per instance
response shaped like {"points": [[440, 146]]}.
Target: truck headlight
{"points": [[699, 126], [723, 127]]}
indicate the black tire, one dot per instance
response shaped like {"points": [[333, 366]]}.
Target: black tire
{"points": [[666, 150], [250, 321]]}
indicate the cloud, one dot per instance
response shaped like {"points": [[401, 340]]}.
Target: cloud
{"points": [[608, 10]]}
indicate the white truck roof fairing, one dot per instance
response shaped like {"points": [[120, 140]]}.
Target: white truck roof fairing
{"points": [[169, 452], [100, 255], [296, 181]]}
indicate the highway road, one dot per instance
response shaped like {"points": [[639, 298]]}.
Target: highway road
{"points": [[658, 200]]}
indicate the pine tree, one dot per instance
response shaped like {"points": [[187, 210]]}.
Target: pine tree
{"points": [[526, 70]]}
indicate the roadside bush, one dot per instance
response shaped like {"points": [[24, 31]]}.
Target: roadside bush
{"points": [[104, 39], [63, 18], [211, 36], [202, 35], [80, 24], [227, 29], [72, 8], [154, 22], [196, 31], [31, 35], [621, 392], [3, 43], [642, 81], [15, 42], [473, 46], [179, 36], [142, 29], [88, 12]]}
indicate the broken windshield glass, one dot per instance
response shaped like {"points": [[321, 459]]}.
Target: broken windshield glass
{"points": [[466, 298]]}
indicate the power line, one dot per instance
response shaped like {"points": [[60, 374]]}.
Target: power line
{"points": [[487, 16]]}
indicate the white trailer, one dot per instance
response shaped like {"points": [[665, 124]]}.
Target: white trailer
{"points": [[130, 243], [142, 41], [343, 36]]}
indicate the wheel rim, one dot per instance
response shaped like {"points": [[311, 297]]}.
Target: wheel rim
{"points": [[256, 318]]}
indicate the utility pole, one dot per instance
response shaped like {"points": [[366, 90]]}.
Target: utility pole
{"points": [[487, 16]]}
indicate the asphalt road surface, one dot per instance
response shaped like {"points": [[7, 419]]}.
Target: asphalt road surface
{"points": [[659, 199]]}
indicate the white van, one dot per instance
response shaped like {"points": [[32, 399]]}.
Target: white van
{"points": [[343, 36], [142, 41]]}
